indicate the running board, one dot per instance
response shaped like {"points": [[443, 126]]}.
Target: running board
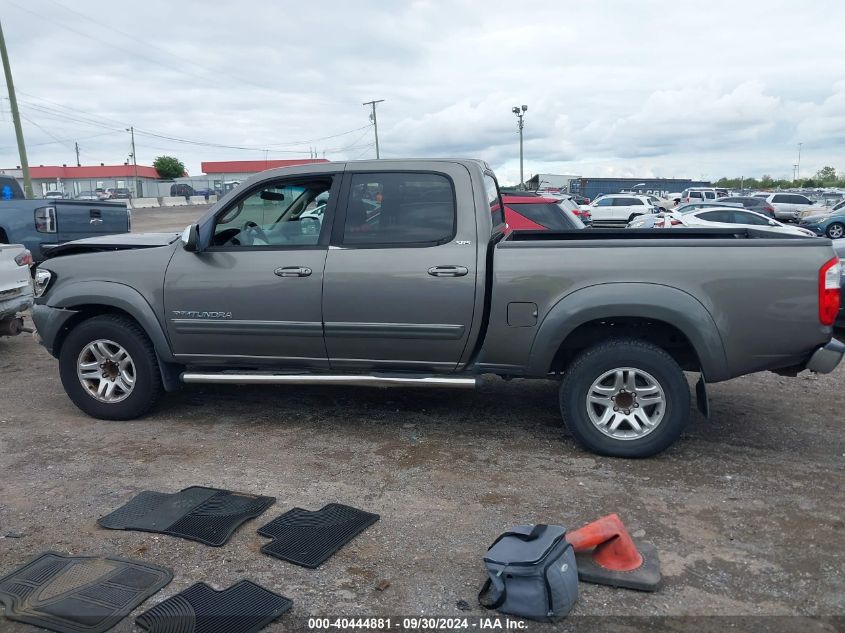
{"points": [[374, 380]]}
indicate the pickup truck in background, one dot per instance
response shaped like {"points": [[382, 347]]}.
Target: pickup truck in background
{"points": [[16, 293], [408, 278], [41, 223]]}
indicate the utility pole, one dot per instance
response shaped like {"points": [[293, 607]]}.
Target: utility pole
{"points": [[374, 120], [76, 146], [16, 117], [795, 172], [520, 112], [137, 191], [798, 166]]}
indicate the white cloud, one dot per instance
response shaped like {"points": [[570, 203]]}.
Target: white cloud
{"points": [[613, 88]]}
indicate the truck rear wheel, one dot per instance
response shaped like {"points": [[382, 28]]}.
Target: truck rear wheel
{"points": [[625, 398], [109, 368]]}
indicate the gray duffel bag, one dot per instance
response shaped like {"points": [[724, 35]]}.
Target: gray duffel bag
{"points": [[532, 573]]}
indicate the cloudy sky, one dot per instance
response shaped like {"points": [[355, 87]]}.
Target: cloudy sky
{"points": [[652, 88]]}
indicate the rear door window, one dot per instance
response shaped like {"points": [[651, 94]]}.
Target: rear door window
{"points": [[400, 208], [696, 194], [710, 195], [781, 198], [741, 217], [796, 199], [717, 216]]}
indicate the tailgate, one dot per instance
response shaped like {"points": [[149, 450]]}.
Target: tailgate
{"points": [[77, 219]]}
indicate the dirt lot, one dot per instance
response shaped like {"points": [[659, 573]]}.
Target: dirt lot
{"points": [[747, 510]]}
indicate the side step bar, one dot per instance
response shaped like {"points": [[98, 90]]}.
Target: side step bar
{"points": [[358, 380]]}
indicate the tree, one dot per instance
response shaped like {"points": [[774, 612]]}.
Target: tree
{"points": [[766, 181], [169, 167], [826, 175], [810, 184]]}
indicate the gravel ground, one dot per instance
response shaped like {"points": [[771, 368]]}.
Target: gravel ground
{"points": [[747, 509]]}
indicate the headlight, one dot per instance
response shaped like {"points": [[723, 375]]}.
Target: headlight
{"points": [[42, 281]]}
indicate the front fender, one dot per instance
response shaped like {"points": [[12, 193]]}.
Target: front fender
{"points": [[76, 295], [630, 299]]}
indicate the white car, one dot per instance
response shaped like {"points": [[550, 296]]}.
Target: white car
{"points": [[789, 206], [54, 195], [15, 287], [617, 209], [726, 217], [698, 194]]}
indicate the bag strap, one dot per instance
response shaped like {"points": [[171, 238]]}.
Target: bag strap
{"points": [[531, 536], [498, 602]]}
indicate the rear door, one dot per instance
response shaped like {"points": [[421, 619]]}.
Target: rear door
{"points": [[77, 219], [400, 281]]}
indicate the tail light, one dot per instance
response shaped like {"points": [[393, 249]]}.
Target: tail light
{"points": [[829, 282], [24, 259], [675, 222], [45, 220]]}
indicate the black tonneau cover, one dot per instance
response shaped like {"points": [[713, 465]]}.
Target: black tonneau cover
{"points": [[649, 234]]}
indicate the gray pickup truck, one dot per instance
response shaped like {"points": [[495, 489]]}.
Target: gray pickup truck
{"points": [[400, 273]]}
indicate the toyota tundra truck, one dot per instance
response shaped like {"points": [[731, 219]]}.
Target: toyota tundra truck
{"points": [[408, 277]]}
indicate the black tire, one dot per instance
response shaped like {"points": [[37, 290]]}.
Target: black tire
{"points": [[830, 226], [609, 355], [128, 334]]}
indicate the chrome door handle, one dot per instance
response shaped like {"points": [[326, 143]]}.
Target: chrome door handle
{"points": [[95, 221], [448, 271], [292, 271]]}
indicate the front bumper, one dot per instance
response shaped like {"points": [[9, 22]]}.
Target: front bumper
{"points": [[825, 359], [49, 322], [815, 228]]}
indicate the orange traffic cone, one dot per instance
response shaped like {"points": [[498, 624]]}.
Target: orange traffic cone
{"points": [[607, 555]]}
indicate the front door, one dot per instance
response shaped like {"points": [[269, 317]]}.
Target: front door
{"points": [[400, 284], [253, 295]]}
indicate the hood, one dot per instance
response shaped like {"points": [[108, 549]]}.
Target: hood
{"points": [[118, 242]]}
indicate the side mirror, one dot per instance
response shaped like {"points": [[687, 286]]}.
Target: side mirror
{"points": [[190, 238]]}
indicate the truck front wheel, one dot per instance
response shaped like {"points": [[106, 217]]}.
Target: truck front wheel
{"points": [[109, 368], [625, 398]]}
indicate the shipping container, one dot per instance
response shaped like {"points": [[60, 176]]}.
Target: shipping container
{"points": [[594, 187]]}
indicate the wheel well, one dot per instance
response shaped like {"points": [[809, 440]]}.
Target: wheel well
{"points": [[666, 336], [3, 237], [86, 312]]}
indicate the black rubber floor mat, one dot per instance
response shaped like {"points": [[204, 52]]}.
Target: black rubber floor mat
{"points": [[207, 515], [79, 594], [309, 538], [242, 608]]}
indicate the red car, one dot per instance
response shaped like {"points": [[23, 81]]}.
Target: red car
{"points": [[532, 213]]}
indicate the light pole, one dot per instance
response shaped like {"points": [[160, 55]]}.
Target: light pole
{"points": [[798, 165], [374, 119], [520, 112]]}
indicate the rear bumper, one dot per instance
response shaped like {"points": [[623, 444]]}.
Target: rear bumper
{"points": [[825, 359], [10, 307]]}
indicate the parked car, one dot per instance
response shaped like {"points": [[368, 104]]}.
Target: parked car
{"points": [[120, 193], [789, 206], [16, 293], [729, 218], [758, 205], [822, 211], [831, 225], [701, 194], [87, 195], [579, 199], [526, 213], [55, 195], [618, 209], [412, 281], [692, 206], [42, 223], [182, 189]]}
